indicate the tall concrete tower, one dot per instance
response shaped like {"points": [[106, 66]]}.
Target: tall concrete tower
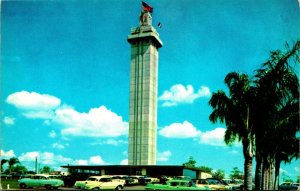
{"points": [[145, 43]]}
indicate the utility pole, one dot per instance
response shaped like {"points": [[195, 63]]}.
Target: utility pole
{"points": [[36, 165]]}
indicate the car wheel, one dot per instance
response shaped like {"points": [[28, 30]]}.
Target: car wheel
{"points": [[118, 188], [48, 187], [23, 186], [95, 188]]}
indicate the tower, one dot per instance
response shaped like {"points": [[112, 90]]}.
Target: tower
{"points": [[145, 43]]}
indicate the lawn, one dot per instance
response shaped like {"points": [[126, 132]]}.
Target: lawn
{"points": [[13, 183]]}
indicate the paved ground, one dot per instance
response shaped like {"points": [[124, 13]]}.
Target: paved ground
{"points": [[138, 187]]}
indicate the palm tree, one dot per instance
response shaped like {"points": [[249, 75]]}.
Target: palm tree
{"points": [[288, 146], [277, 102], [235, 111], [3, 161], [11, 162]]}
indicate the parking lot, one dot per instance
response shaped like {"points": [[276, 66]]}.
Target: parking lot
{"points": [[13, 185]]}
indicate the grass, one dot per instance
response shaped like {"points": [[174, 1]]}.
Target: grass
{"points": [[13, 183]]}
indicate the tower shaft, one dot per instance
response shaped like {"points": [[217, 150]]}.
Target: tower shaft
{"points": [[145, 43]]}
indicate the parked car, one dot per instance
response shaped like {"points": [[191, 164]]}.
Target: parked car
{"points": [[40, 180], [81, 183], [289, 186], [295, 186], [144, 180], [212, 183], [234, 184], [6, 176], [174, 185], [100, 183], [120, 178], [201, 183]]}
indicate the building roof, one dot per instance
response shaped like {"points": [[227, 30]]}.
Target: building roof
{"points": [[97, 167]]}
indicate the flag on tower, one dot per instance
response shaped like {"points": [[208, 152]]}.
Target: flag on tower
{"points": [[146, 7]]}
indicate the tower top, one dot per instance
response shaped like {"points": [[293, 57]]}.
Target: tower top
{"points": [[145, 30], [145, 16]]}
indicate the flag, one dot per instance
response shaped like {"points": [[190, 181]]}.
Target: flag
{"points": [[146, 7], [159, 25]]}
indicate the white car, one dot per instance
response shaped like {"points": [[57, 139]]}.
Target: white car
{"points": [[99, 183]]}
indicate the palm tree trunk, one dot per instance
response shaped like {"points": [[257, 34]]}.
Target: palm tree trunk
{"points": [[248, 154], [263, 168], [277, 167], [271, 176], [248, 173], [265, 175], [258, 172], [247, 150]]}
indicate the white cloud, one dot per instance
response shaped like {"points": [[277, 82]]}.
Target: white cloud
{"points": [[179, 94], [33, 101], [163, 156], [214, 137], [80, 162], [96, 160], [51, 159], [9, 120], [180, 130], [113, 142], [184, 130], [124, 162], [98, 122], [52, 134], [29, 156], [44, 158], [58, 146], [7, 155]]}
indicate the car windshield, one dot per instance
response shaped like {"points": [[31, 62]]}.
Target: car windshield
{"points": [[105, 180], [92, 179], [211, 181]]}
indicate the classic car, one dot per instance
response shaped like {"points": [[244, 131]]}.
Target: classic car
{"points": [[211, 183], [175, 185], [233, 183], [100, 183], [288, 186], [40, 180], [144, 180]]}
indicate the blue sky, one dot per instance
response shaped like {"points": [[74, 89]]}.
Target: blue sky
{"points": [[65, 76]]}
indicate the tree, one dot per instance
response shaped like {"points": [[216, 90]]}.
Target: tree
{"points": [[19, 168], [277, 86], [12, 162], [190, 163], [235, 111], [236, 174], [45, 169], [220, 174], [3, 161], [205, 169]]}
